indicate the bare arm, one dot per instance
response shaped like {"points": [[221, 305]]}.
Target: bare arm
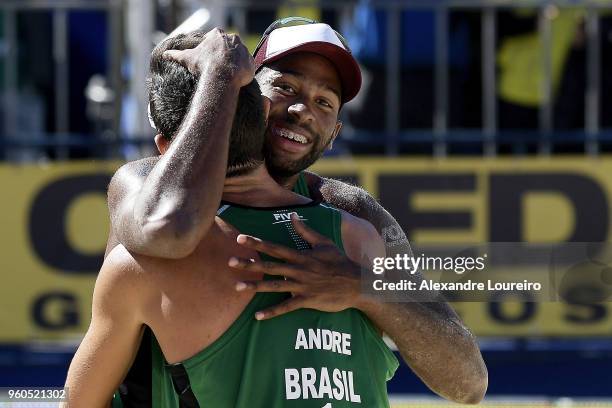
{"points": [[108, 349], [168, 212], [429, 335]]}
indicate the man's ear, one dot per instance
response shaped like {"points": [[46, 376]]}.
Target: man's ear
{"points": [[267, 103], [335, 134], [162, 143]]}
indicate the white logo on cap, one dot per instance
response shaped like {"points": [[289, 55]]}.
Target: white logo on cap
{"points": [[285, 38]]}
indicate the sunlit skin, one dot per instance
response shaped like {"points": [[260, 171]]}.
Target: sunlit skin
{"points": [[305, 92], [305, 95]]}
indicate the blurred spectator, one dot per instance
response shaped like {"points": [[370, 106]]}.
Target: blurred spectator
{"points": [[368, 40], [35, 76], [251, 21], [520, 62], [28, 126], [35, 105], [88, 53]]}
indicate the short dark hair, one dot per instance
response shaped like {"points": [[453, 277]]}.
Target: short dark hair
{"points": [[171, 87]]}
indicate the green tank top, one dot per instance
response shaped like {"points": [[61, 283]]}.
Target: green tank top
{"points": [[305, 358], [301, 186]]}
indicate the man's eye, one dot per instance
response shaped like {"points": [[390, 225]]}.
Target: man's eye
{"points": [[286, 88], [325, 103]]}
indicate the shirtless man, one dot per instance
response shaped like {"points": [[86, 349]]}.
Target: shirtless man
{"points": [[307, 83], [204, 328]]}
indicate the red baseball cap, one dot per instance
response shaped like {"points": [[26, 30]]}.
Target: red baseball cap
{"points": [[319, 39]]}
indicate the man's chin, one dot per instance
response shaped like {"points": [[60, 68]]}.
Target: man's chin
{"points": [[281, 169], [282, 164]]}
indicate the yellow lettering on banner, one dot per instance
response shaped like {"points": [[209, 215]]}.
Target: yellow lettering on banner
{"points": [[551, 209], [537, 319], [39, 301], [82, 229], [469, 202], [43, 301]]}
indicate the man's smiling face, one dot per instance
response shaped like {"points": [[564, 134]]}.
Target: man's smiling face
{"points": [[305, 92]]}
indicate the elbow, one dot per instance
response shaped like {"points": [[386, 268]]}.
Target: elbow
{"points": [[476, 391], [471, 379], [475, 384]]}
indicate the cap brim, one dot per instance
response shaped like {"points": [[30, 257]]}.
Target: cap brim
{"points": [[346, 65]]}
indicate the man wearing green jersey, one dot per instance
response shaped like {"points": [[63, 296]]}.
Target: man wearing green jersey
{"points": [[208, 349], [307, 84]]}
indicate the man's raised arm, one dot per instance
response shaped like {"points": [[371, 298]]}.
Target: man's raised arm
{"points": [[168, 213]]}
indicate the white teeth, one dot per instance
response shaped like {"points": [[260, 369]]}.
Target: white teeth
{"points": [[292, 136]]}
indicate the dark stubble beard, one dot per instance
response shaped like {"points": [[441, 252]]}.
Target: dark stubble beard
{"points": [[280, 167]]}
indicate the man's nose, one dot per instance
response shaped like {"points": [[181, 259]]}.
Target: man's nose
{"points": [[301, 112]]}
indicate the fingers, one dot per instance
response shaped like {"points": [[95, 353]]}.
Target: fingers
{"points": [[274, 250], [172, 55], [269, 268], [287, 306], [233, 40], [310, 235], [214, 31], [275, 285]]}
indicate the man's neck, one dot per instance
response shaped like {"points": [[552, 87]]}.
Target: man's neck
{"points": [[257, 189], [287, 182]]}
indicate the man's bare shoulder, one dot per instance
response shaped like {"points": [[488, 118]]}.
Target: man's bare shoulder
{"points": [[138, 275], [121, 290], [121, 264], [341, 194]]}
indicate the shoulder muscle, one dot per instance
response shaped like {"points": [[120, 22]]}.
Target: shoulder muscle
{"points": [[118, 284], [350, 198]]}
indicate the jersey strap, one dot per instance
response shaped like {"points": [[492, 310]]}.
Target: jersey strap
{"points": [[182, 386], [301, 186]]}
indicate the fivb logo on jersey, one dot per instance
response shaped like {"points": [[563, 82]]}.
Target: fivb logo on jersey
{"points": [[283, 217]]}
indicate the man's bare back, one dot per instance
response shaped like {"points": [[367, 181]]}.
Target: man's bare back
{"points": [[175, 293]]}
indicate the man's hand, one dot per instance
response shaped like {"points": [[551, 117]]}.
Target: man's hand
{"points": [[220, 51], [167, 213], [321, 278]]}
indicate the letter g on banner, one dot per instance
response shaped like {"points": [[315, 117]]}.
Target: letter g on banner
{"points": [[47, 223]]}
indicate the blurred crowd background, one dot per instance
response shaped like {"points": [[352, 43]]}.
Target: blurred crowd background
{"points": [[441, 77], [478, 121]]}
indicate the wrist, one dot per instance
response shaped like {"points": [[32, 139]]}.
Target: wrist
{"points": [[366, 303], [221, 74]]}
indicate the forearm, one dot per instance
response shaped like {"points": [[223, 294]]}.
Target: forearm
{"points": [[180, 197], [441, 351], [429, 335]]}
